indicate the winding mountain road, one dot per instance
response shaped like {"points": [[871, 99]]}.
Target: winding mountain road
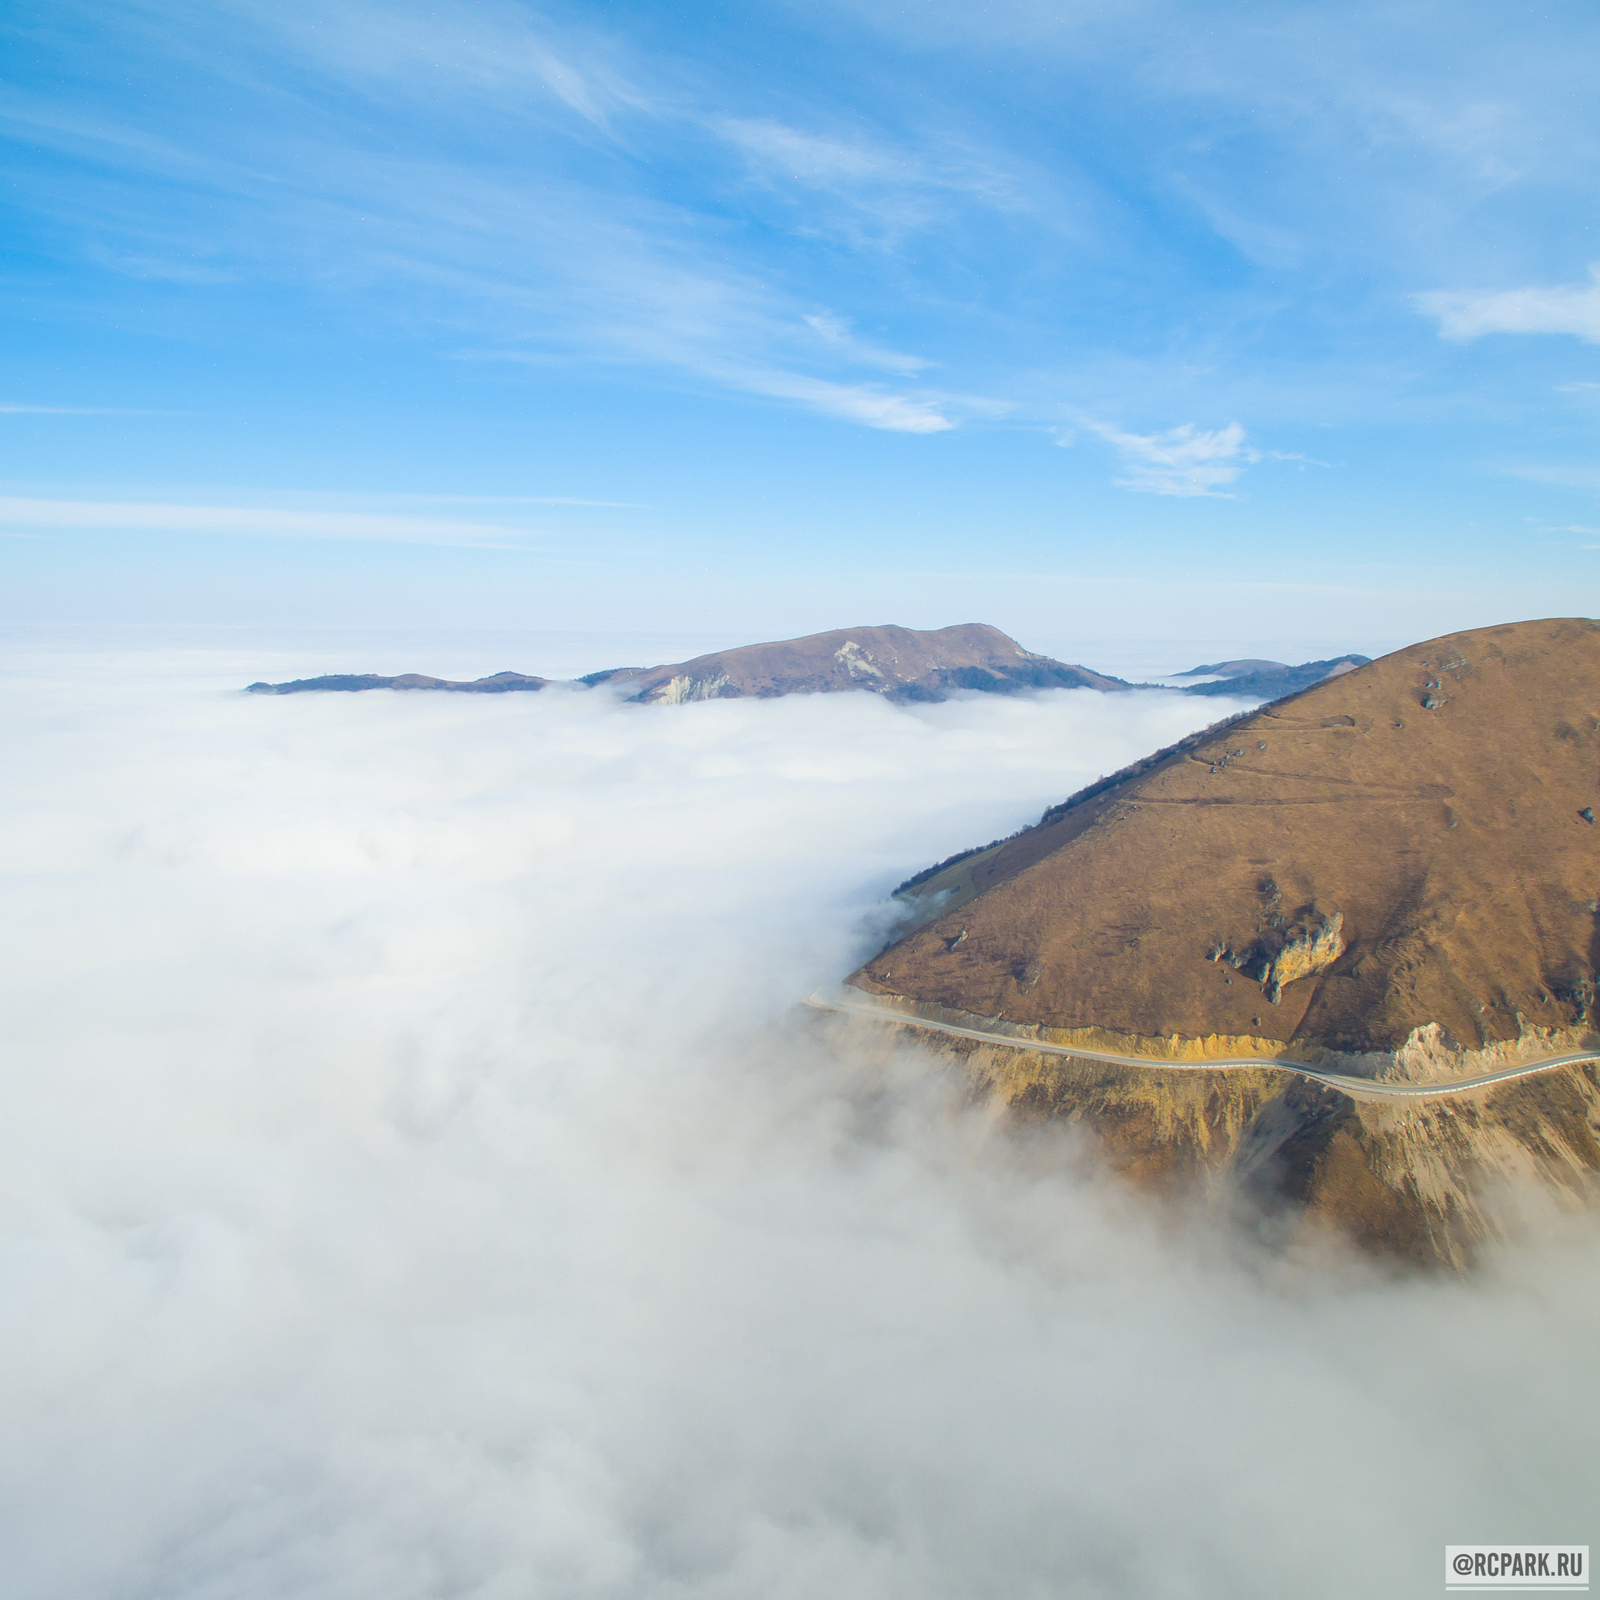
{"points": [[1356, 1088]]}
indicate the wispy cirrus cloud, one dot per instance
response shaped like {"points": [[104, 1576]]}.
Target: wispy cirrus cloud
{"points": [[844, 160], [550, 183], [1572, 308], [864, 403], [1186, 461], [875, 191], [498, 53], [545, 262], [838, 334], [817, 160]]}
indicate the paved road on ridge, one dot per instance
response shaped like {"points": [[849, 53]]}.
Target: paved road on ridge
{"points": [[1356, 1088]]}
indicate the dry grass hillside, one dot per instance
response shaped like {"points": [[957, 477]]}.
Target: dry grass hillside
{"points": [[1409, 843]]}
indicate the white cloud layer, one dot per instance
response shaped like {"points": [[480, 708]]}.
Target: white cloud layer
{"points": [[413, 1181], [1553, 308]]}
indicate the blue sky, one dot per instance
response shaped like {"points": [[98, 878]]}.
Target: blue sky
{"points": [[1229, 321]]}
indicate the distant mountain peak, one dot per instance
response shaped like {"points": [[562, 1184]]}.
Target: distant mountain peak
{"points": [[355, 682], [1267, 680], [1233, 669], [902, 664]]}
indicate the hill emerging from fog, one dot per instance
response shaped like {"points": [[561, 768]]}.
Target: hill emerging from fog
{"points": [[1400, 864], [353, 682], [898, 663]]}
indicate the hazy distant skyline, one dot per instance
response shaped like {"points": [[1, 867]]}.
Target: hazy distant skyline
{"points": [[1223, 320]]}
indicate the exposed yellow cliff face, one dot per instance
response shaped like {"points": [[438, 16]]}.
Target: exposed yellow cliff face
{"points": [[1308, 949], [1429, 1181], [1399, 865]]}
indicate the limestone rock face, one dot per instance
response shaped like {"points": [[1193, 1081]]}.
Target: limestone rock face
{"points": [[1286, 951], [683, 689], [1309, 950]]}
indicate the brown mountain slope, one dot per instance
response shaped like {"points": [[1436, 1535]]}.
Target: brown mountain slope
{"points": [[1401, 861], [900, 663], [1414, 832]]}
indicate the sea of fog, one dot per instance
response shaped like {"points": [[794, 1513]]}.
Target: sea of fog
{"points": [[416, 1181]]}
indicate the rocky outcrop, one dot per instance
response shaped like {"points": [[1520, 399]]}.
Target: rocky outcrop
{"points": [[683, 689], [1283, 951]]}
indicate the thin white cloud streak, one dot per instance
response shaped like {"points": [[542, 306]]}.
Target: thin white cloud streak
{"points": [[524, 500], [1559, 477], [23, 514], [18, 410], [410, 1183], [1186, 461], [1555, 308]]}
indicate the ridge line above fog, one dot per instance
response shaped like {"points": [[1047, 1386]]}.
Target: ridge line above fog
{"points": [[902, 664]]}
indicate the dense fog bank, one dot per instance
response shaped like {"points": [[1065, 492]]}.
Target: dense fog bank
{"points": [[415, 1180]]}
